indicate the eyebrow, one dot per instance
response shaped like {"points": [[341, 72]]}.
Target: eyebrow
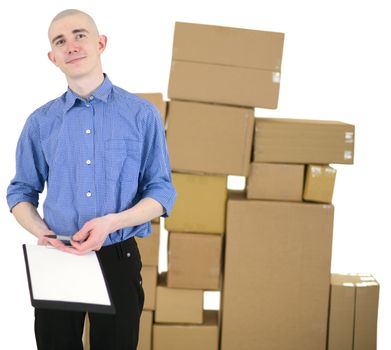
{"points": [[75, 31]]}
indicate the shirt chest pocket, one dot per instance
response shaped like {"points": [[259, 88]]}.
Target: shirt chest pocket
{"points": [[122, 160]]}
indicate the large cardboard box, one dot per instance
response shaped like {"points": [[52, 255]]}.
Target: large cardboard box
{"points": [[303, 141], [319, 183], [226, 65], [174, 305], [187, 337], [277, 275], [206, 138], [157, 100], [149, 247], [145, 333], [194, 261], [149, 276], [200, 205], [283, 182], [353, 312]]}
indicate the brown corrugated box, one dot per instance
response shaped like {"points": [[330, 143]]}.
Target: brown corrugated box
{"points": [[200, 205], [226, 65], [277, 275], [157, 100], [206, 138], [319, 183], [149, 247], [187, 337], [176, 305], [194, 261], [353, 312], [274, 181], [303, 141], [145, 333], [149, 276]]}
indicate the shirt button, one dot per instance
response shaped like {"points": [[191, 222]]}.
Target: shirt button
{"points": [[88, 162], [88, 131], [88, 194], [88, 105], [91, 98]]}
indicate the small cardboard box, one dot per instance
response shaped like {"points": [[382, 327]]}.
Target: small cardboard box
{"points": [[157, 100], [303, 141], [283, 182], [226, 65], [353, 311], [186, 336], [145, 333], [211, 139], [174, 305], [194, 261], [149, 276], [149, 247], [277, 275], [200, 205], [319, 183]]}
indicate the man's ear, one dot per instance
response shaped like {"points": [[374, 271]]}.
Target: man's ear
{"points": [[102, 43], [52, 58]]}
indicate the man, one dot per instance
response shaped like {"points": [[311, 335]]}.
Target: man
{"points": [[103, 154]]}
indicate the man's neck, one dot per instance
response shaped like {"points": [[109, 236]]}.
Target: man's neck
{"points": [[84, 86]]}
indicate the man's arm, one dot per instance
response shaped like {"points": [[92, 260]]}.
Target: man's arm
{"points": [[94, 232], [27, 216]]}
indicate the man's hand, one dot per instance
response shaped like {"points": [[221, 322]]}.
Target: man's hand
{"points": [[91, 236], [56, 243]]}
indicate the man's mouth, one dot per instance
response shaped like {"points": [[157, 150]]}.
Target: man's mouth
{"points": [[74, 60]]}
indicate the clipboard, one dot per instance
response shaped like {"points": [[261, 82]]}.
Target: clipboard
{"points": [[64, 281]]}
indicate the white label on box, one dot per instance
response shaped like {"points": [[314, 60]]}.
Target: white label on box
{"points": [[276, 76], [316, 171], [348, 155], [348, 137]]}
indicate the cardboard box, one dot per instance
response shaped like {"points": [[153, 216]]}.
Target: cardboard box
{"points": [[194, 261], [149, 276], [157, 100], [206, 138], [145, 333], [226, 65], [277, 275], [149, 247], [283, 182], [353, 311], [174, 305], [187, 337], [319, 183], [303, 141], [200, 205]]}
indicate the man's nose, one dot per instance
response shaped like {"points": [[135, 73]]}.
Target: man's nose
{"points": [[72, 47]]}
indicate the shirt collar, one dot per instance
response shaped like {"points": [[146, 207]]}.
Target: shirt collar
{"points": [[101, 93]]}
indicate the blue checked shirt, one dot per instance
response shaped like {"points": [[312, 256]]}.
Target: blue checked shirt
{"points": [[98, 156]]}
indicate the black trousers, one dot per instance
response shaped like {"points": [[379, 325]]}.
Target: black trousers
{"points": [[62, 330]]}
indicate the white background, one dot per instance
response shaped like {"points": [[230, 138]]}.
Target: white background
{"points": [[336, 65]]}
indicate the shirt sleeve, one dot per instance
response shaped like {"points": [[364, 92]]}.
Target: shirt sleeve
{"points": [[31, 167], [155, 180]]}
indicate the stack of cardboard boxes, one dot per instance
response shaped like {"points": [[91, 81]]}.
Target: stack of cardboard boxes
{"points": [[266, 249]]}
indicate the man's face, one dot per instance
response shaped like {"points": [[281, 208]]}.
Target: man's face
{"points": [[76, 46]]}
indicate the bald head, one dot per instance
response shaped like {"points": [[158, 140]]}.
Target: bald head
{"points": [[74, 12]]}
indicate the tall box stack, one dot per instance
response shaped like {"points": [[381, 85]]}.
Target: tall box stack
{"points": [[218, 75]]}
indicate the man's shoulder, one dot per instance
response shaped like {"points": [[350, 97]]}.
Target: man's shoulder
{"points": [[47, 109], [131, 100]]}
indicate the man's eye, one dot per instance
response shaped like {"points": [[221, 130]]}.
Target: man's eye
{"points": [[60, 42], [80, 36]]}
